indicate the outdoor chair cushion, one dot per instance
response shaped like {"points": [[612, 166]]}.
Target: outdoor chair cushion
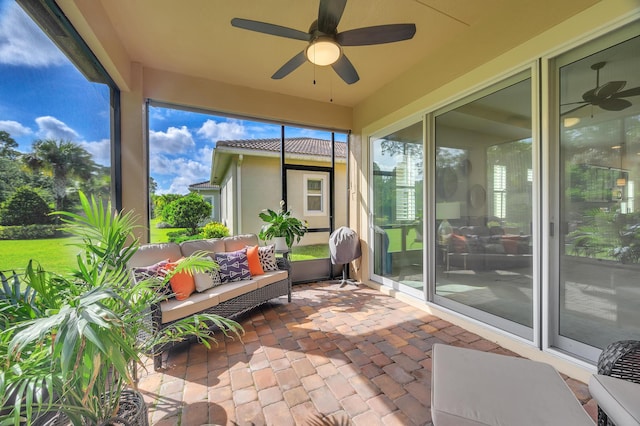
{"points": [[471, 387], [619, 398]]}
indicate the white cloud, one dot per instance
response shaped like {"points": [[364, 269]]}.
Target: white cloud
{"points": [[52, 128], [23, 43], [205, 154], [100, 150], [172, 141], [182, 172], [226, 130], [14, 128]]}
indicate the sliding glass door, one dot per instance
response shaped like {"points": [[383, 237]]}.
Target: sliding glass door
{"points": [[596, 290], [397, 211], [483, 231]]}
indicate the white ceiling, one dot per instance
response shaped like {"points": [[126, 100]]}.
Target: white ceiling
{"points": [[195, 37]]}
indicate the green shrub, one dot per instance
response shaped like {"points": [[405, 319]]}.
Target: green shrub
{"points": [[187, 212], [215, 230], [184, 237], [25, 207], [29, 232], [160, 202]]}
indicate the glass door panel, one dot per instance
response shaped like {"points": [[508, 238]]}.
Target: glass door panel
{"points": [[598, 292], [398, 191], [483, 208]]}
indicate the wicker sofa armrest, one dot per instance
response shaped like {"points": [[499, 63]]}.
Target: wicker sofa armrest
{"points": [[619, 359]]}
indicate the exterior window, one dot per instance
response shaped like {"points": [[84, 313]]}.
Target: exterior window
{"points": [[315, 188], [499, 191]]}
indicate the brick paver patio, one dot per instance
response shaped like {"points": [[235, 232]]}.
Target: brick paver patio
{"points": [[333, 356]]}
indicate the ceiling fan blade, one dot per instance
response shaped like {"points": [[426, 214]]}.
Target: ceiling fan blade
{"points": [[614, 104], [574, 103], [634, 91], [344, 68], [590, 95], [272, 29], [290, 66], [329, 15], [609, 89], [376, 35], [584, 104]]}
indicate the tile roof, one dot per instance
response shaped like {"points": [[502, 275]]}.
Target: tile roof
{"points": [[203, 185], [308, 146]]}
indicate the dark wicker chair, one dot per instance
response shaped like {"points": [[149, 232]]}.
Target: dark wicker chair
{"points": [[622, 360]]}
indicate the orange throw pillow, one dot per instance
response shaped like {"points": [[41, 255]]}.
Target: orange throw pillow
{"points": [[182, 283], [254, 261]]}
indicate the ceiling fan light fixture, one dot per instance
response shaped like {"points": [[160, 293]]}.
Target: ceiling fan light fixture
{"points": [[323, 51], [571, 121]]}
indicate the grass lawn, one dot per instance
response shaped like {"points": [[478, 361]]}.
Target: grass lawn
{"points": [[54, 254], [159, 235]]}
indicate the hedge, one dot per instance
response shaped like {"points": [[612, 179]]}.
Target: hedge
{"points": [[29, 232]]}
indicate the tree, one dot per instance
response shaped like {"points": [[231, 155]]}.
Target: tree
{"points": [[153, 187], [7, 146], [63, 160], [25, 207], [160, 202], [188, 212]]}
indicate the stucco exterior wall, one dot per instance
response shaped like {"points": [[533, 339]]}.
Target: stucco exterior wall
{"points": [[259, 187], [227, 200]]}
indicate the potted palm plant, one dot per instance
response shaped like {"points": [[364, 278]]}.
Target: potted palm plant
{"points": [[281, 227], [72, 344]]}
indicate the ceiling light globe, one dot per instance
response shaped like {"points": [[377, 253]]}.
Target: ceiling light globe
{"points": [[323, 51], [571, 121]]}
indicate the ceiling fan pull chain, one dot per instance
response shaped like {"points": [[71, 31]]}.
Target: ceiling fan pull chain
{"points": [[330, 88]]}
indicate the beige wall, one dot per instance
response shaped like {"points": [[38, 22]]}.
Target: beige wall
{"points": [[259, 187], [227, 199]]}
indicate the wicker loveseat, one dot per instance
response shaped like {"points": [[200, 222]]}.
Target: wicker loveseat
{"points": [[227, 299]]}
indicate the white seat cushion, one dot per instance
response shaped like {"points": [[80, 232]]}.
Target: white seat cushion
{"points": [[174, 309], [619, 398], [471, 387], [270, 278]]}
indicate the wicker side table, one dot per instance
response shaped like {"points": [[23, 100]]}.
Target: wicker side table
{"points": [[622, 360]]}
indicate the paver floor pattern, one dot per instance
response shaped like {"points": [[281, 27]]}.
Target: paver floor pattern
{"points": [[333, 356]]}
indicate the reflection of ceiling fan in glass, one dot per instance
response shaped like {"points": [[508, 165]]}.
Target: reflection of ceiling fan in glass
{"points": [[608, 96]]}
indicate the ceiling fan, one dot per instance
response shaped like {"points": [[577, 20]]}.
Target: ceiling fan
{"points": [[325, 42], [608, 96]]}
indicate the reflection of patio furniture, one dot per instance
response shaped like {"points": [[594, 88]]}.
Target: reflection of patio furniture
{"points": [[619, 360], [382, 259], [344, 246], [485, 248], [471, 387]]}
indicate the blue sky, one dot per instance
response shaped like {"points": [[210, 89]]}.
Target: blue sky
{"points": [[42, 95]]}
